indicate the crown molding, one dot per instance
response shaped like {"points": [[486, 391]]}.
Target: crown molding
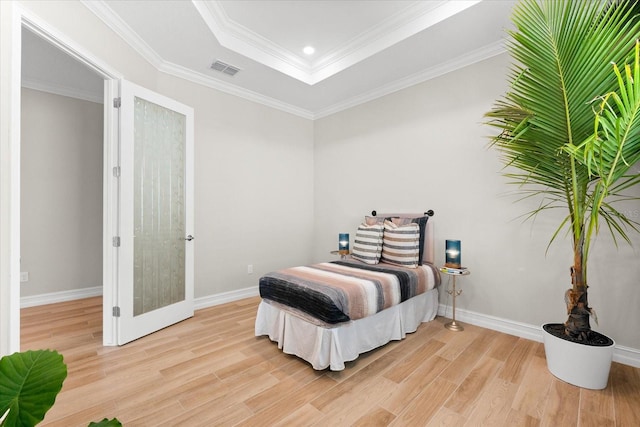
{"points": [[102, 11], [471, 58], [406, 23], [71, 92], [240, 39], [396, 28], [122, 29], [213, 83]]}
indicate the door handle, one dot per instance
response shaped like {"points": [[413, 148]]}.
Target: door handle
{"points": [[189, 238]]}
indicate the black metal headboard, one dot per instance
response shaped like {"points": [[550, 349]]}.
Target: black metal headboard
{"points": [[427, 213], [428, 237]]}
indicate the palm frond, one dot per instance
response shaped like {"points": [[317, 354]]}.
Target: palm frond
{"points": [[570, 122]]}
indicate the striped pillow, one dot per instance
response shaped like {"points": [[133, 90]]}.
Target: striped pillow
{"points": [[367, 245], [401, 244], [422, 223]]}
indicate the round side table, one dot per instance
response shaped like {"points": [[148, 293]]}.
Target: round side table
{"points": [[455, 272]]}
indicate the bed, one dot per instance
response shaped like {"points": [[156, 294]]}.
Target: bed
{"points": [[329, 313]]}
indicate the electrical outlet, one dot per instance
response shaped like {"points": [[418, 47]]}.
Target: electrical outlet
{"points": [[250, 269], [24, 276]]}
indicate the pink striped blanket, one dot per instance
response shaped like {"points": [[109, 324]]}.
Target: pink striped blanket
{"points": [[341, 291]]}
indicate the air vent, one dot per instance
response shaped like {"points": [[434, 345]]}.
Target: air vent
{"points": [[225, 68]]}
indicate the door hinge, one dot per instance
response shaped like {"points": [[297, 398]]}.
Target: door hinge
{"points": [[116, 171], [117, 102], [116, 241], [116, 311]]}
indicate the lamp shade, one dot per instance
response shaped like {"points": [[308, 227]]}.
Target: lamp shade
{"points": [[343, 243], [452, 254]]}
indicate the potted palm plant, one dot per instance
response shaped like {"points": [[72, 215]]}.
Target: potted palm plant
{"points": [[569, 134]]}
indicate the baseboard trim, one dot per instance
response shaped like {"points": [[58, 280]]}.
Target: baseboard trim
{"points": [[225, 297], [625, 355], [62, 296]]}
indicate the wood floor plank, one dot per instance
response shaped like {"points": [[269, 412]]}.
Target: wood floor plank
{"points": [[378, 417], [626, 394], [472, 386], [290, 403], [423, 408], [307, 415], [456, 342], [81, 417], [562, 405], [595, 420], [404, 367], [520, 419], [422, 378], [361, 401], [598, 402], [446, 418], [211, 370], [460, 368], [287, 386], [502, 346], [148, 415], [533, 392], [361, 379], [494, 404], [516, 363]]}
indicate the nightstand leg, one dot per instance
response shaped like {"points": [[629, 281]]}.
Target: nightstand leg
{"points": [[453, 326]]}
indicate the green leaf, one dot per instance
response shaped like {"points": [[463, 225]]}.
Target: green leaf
{"points": [[29, 384], [570, 122], [106, 423]]}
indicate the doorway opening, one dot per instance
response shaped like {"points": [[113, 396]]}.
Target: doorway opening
{"points": [[51, 159], [61, 189]]}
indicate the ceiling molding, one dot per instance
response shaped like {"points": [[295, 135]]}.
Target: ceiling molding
{"points": [[122, 29], [70, 92], [434, 15], [250, 44], [399, 26], [431, 73], [394, 29], [208, 81]]}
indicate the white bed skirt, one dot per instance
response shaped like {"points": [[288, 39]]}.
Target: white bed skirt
{"points": [[330, 347]]}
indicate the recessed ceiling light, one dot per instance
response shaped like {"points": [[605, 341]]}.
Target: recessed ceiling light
{"points": [[309, 50]]}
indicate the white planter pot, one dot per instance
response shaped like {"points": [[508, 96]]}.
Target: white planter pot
{"points": [[582, 365]]}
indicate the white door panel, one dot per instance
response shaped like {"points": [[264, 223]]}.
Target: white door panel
{"points": [[155, 257]]}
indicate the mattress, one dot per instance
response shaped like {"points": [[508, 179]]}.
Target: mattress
{"points": [[344, 291]]}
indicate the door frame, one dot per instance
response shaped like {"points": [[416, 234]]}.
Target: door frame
{"points": [[21, 17]]}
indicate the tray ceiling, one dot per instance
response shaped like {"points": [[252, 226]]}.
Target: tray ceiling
{"points": [[363, 49]]}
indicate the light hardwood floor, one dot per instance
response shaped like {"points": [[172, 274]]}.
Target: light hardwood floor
{"points": [[211, 370]]}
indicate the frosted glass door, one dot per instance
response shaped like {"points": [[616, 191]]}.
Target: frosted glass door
{"points": [[159, 211], [156, 253]]}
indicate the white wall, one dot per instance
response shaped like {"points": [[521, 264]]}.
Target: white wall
{"points": [[253, 187], [61, 193], [422, 148], [426, 147], [253, 164]]}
